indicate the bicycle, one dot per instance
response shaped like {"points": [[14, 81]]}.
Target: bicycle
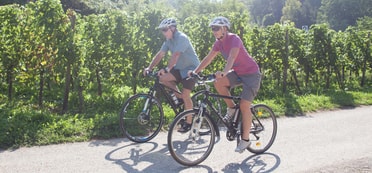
{"points": [[194, 146], [142, 115]]}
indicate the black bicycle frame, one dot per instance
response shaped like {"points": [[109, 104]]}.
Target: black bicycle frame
{"points": [[162, 89], [208, 94]]}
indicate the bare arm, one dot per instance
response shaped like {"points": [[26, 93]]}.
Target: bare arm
{"points": [[206, 61], [231, 59], [154, 62], [173, 60]]}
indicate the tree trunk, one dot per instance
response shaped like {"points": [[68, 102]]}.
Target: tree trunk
{"points": [[329, 63], [81, 97], [99, 85], [339, 78], [134, 80], [69, 81], [41, 87], [67, 88], [10, 83], [285, 62], [307, 77], [296, 81], [367, 56], [328, 77]]}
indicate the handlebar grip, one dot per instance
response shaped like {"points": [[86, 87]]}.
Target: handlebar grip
{"points": [[194, 75], [211, 76]]}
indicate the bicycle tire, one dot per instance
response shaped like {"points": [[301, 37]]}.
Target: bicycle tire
{"points": [[138, 124], [263, 130], [191, 148]]}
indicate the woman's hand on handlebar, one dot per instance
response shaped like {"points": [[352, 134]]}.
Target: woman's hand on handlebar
{"points": [[161, 72], [219, 74]]}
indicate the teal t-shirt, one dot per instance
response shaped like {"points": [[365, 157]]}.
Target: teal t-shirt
{"points": [[188, 59]]}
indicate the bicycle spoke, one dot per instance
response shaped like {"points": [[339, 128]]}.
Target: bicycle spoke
{"points": [[263, 130], [140, 119], [191, 148]]}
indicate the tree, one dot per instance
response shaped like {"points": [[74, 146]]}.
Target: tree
{"points": [[10, 43], [49, 25], [6, 2], [70, 60], [292, 11], [343, 13], [266, 12], [309, 12]]}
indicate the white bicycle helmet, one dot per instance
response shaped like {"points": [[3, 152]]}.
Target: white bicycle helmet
{"points": [[167, 23], [220, 21]]}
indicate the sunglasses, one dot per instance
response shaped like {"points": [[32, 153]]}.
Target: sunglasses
{"points": [[216, 28], [164, 29]]}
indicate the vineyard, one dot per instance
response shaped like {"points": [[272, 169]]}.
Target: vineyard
{"points": [[60, 71]]}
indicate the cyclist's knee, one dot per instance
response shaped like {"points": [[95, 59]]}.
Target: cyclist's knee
{"points": [[186, 93], [224, 82], [166, 78]]}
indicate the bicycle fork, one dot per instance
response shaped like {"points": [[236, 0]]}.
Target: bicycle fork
{"points": [[145, 114], [196, 123]]}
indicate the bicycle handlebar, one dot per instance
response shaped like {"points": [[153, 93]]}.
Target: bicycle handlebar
{"points": [[200, 79], [151, 74]]}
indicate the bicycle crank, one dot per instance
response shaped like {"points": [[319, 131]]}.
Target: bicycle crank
{"points": [[231, 135]]}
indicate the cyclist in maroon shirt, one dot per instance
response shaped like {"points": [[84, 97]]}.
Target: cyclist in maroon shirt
{"points": [[240, 69]]}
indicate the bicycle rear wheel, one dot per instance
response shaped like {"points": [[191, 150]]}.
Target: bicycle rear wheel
{"points": [[141, 118], [194, 146], [263, 130]]}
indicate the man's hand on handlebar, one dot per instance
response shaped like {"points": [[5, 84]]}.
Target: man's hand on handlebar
{"points": [[191, 73], [146, 71]]}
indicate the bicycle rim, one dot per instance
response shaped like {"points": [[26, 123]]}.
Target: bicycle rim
{"points": [[263, 130], [190, 148], [139, 123]]}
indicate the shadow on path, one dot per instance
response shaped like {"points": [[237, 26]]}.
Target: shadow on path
{"points": [[151, 157]]}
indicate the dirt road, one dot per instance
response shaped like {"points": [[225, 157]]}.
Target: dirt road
{"points": [[331, 141]]}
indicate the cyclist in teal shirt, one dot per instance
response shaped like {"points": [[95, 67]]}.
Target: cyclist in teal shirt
{"points": [[182, 60]]}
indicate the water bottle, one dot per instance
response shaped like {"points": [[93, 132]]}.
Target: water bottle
{"points": [[174, 98]]}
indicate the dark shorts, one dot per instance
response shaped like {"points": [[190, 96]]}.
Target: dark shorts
{"points": [[187, 83], [250, 82]]}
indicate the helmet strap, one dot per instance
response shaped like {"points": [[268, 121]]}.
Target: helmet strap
{"points": [[173, 30], [223, 34]]}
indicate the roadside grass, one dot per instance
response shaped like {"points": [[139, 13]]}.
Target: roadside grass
{"points": [[24, 124]]}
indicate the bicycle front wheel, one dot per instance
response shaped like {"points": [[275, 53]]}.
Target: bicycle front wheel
{"points": [[141, 118], [216, 103], [263, 130], [192, 147]]}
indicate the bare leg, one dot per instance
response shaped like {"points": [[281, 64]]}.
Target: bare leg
{"points": [[222, 86], [246, 118], [187, 102], [169, 80]]}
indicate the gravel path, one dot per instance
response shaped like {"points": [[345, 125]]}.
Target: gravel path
{"points": [[323, 142]]}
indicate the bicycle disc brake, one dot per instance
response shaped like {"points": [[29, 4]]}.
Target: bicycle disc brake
{"points": [[143, 118]]}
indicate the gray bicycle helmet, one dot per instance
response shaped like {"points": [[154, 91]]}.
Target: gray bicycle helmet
{"points": [[167, 23], [220, 21]]}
